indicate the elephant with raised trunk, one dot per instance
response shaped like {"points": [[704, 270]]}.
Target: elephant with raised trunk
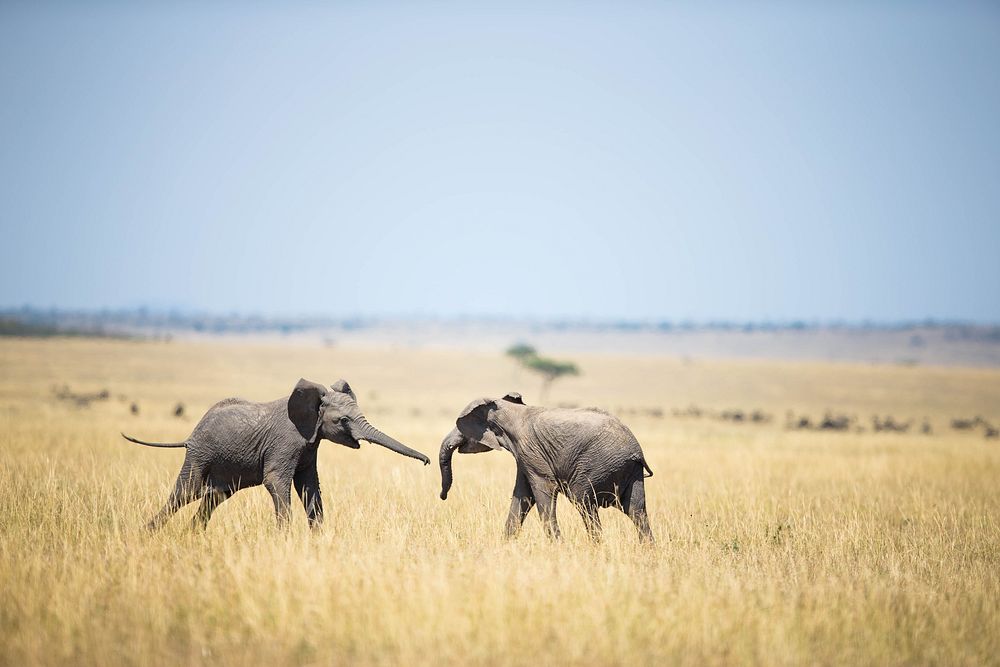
{"points": [[586, 454], [239, 444]]}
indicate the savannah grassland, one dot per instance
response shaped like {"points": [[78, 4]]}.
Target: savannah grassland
{"points": [[774, 547]]}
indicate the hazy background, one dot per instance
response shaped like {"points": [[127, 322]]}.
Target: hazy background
{"points": [[764, 161]]}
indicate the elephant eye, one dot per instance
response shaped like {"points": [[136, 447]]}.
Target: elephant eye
{"points": [[344, 420]]}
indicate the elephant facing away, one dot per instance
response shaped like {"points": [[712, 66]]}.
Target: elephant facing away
{"points": [[239, 444], [586, 454]]}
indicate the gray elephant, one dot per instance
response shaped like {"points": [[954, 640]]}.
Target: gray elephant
{"points": [[586, 454], [239, 444]]}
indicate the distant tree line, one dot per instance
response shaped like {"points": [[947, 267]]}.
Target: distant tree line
{"points": [[150, 321], [13, 327]]}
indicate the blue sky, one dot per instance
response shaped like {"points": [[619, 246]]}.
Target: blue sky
{"points": [[595, 160]]}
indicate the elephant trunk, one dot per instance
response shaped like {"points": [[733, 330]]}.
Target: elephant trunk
{"points": [[365, 431], [448, 447]]}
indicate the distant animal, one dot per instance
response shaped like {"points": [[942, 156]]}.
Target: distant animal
{"points": [[890, 424], [990, 432], [835, 422], [732, 416], [794, 423], [586, 454], [961, 424], [925, 427], [134, 408], [240, 444], [81, 400], [179, 410]]}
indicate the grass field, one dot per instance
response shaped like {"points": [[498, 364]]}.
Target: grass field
{"points": [[774, 546]]}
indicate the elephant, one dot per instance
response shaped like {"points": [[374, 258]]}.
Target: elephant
{"points": [[587, 454], [240, 444]]}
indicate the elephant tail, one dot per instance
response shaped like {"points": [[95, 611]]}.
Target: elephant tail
{"points": [[648, 469], [154, 444]]}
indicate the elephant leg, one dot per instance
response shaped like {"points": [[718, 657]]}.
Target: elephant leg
{"points": [[189, 486], [212, 499], [307, 489], [635, 507], [520, 504], [545, 496], [280, 489], [587, 506]]}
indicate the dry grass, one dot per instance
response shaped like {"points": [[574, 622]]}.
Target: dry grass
{"points": [[774, 547]]}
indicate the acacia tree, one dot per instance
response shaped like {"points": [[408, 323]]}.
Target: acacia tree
{"points": [[521, 351], [550, 369]]}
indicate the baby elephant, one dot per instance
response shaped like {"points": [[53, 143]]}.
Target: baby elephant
{"points": [[586, 454], [238, 444]]}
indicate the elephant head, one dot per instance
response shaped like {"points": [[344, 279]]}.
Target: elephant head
{"points": [[471, 435], [334, 415]]}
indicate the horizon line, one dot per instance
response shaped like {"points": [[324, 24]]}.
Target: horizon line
{"points": [[177, 313]]}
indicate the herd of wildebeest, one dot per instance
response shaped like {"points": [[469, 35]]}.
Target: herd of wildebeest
{"points": [[830, 421], [838, 421], [84, 400]]}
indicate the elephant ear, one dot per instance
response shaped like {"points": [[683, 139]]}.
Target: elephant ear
{"points": [[303, 408], [470, 447], [475, 426], [342, 387], [514, 397]]}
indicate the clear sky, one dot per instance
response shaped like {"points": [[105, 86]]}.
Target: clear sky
{"points": [[595, 160]]}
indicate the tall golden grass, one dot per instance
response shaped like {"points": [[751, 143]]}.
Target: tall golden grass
{"points": [[774, 547]]}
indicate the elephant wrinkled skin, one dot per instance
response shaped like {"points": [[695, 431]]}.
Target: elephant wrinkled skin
{"points": [[239, 444], [586, 454]]}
